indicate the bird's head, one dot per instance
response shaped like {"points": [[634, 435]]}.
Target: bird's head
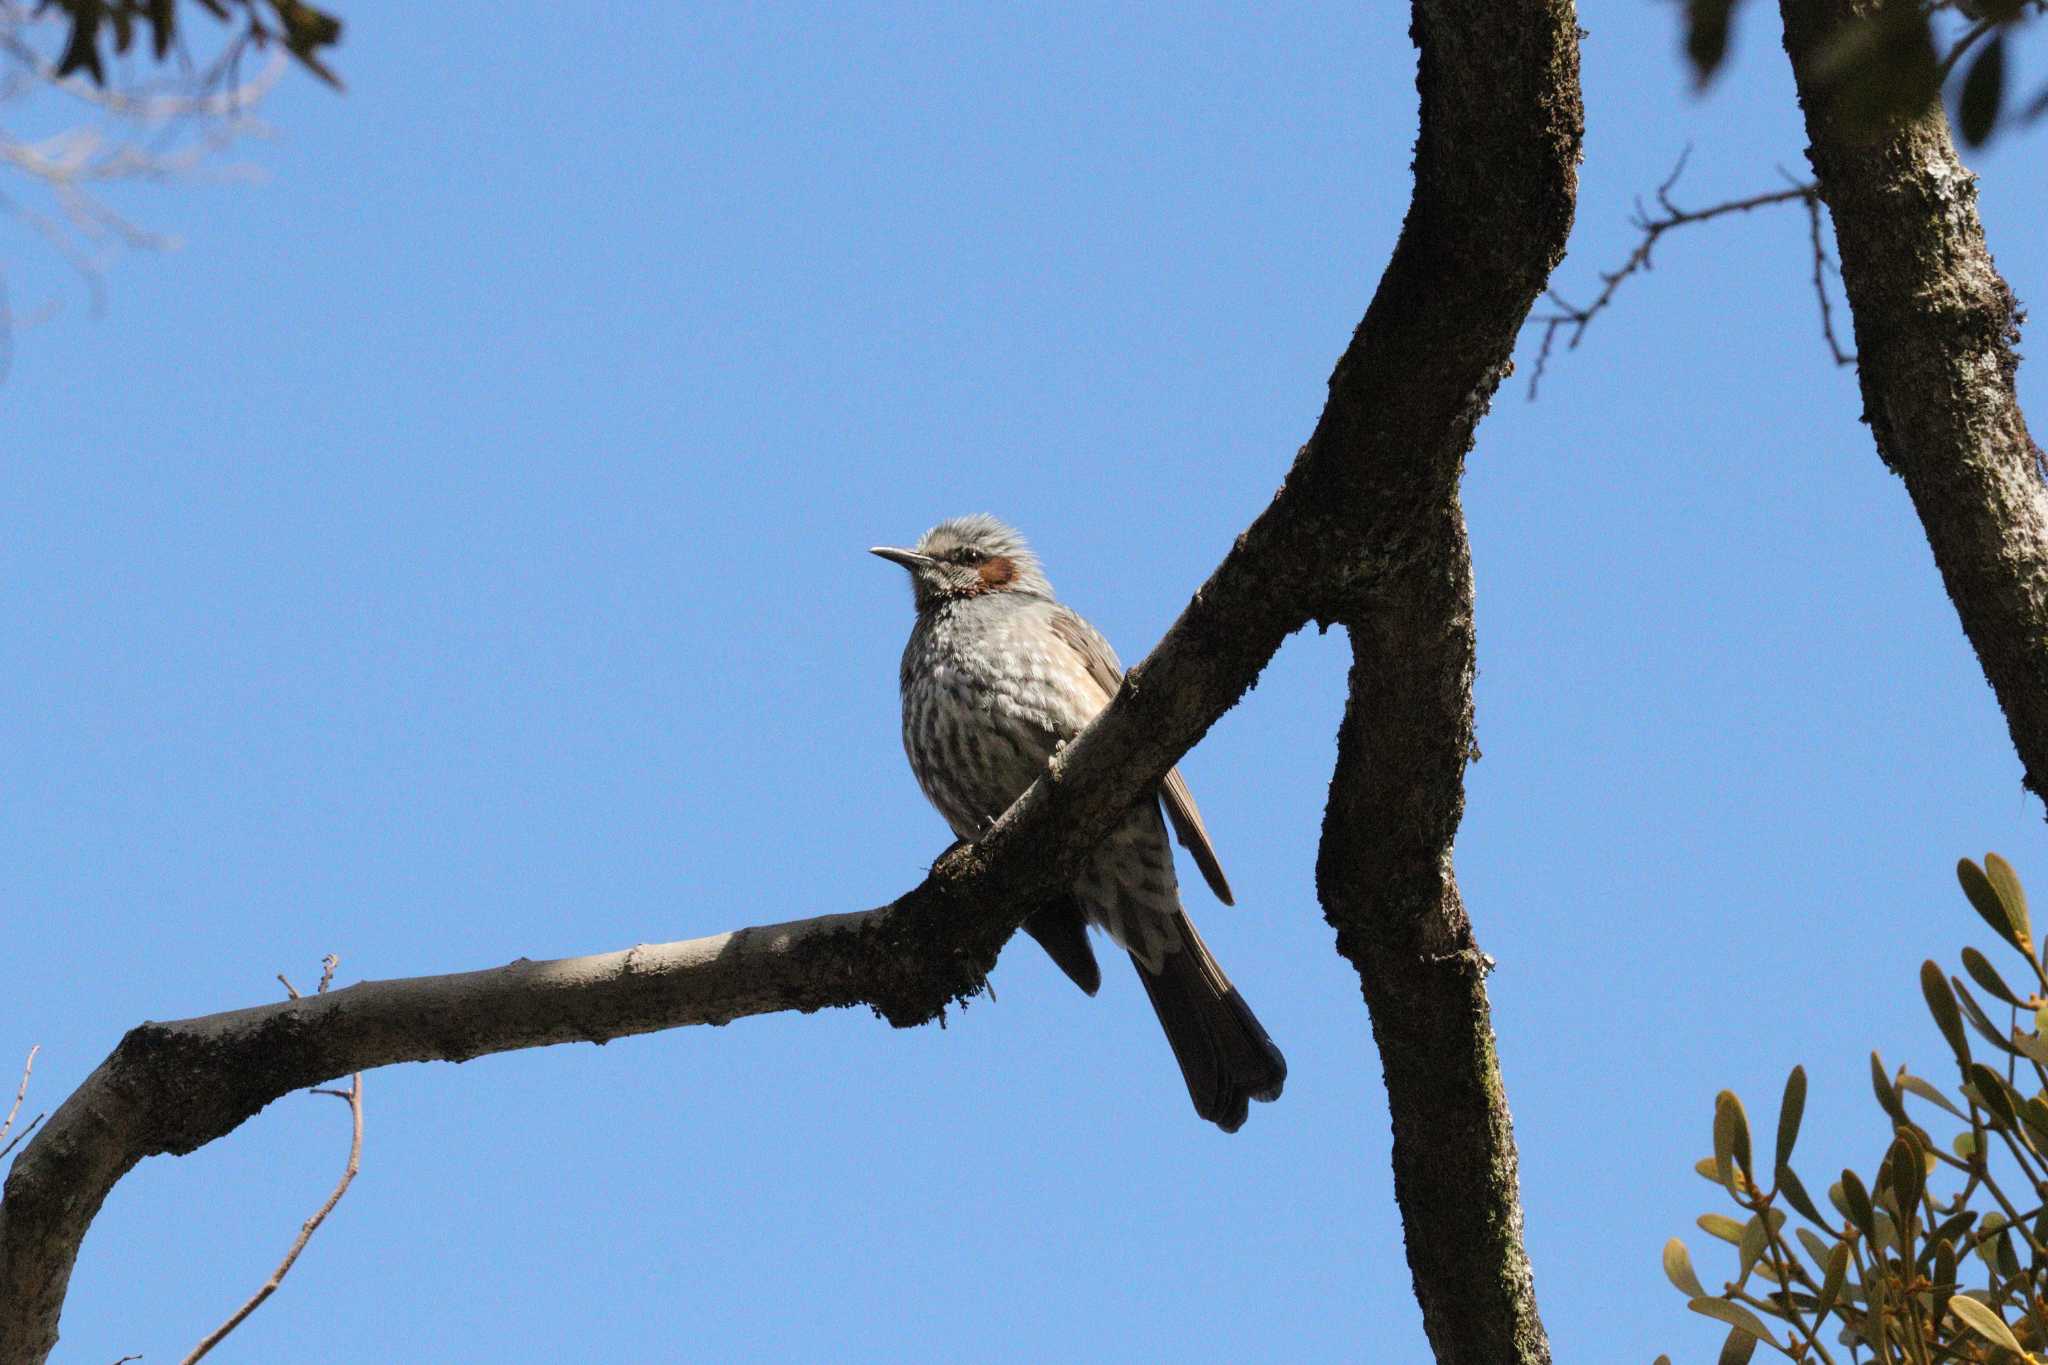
{"points": [[966, 557]]}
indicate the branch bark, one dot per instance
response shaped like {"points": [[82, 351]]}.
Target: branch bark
{"points": [[1366, 531], [1936, 328]]}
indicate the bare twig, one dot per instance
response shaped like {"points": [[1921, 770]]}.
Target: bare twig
{"points": [[289, 988], [354, 1096], [172, 127], [1573, 319], [1820, 288], [20, 1094]]}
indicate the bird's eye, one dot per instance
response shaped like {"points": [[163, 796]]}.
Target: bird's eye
{"points": [[967, 554]]}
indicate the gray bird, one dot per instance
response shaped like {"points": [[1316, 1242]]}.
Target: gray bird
{"points": [[997, 676]]}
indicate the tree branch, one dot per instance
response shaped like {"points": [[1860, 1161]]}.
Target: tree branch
{"points": [[1936, 328], [1479, 247], [1363, 513], [1573, 320]]}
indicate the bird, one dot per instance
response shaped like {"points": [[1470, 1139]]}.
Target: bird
{"points": [[997, 676]]}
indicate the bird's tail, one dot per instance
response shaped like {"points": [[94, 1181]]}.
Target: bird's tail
{"points": [[1223, 1051]]}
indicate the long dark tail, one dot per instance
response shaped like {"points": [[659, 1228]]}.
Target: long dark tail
{"points": [[1223, 1051]]}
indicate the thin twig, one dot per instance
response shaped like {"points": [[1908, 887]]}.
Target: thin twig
{"points": [[21, 1091], [1571, 318], [20, 1094], [354, 1096], [1820, 288]]}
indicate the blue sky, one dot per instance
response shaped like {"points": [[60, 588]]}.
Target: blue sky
{"points": [[455, 552]]}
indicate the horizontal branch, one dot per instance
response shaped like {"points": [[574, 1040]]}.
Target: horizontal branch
{"points": [[1361, 507]]}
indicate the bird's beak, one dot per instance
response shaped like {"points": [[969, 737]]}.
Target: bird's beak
{"points": [[909, 559]]}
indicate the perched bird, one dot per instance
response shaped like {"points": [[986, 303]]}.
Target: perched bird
{"points": [[997, 676]]}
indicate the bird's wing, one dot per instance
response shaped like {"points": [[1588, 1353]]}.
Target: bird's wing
{"points": [[1108, 672]]}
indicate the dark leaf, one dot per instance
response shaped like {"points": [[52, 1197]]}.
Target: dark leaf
{"points": [[1985, 975], [1882, 69], [1984, 900], [1857, 1199], [2006, 884], [1791, 1108], [1973, 1012], [1941, 1003], [1887, 1094], [82, 48], [1795, 1193], [1908, 1175], [1983, 92], [1992, 1094], [1707, 24], [1731, 1140], [163, 25]]}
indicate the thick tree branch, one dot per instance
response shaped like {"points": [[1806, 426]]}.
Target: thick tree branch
{"points": [[1935, 333], [1360, 520], [1474, 253]]}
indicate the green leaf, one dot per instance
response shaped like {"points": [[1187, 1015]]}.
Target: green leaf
{"points": [[1736, 1316], [1858, 1200], [1980, 1021], [2012, 898], [1908, 1171], [1705, 1166], [1731, 1140], [1990, 1232], [2034, 1113], [1915, 1086], [1992, 1094], [1836, 1270], [1941, 1003], [1750, 1248], [1985, 975], [1952, 1228], [1791, 1109], [1738, 1348], [1984, 1323], [1722, 1226], [1985, 901], [1678, 1269], [1816, 1248], [1942, 1286], [1795, 1193], [1887, 1094]]}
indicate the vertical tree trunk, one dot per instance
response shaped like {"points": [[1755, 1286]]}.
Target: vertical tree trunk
{"points": [[1935, 333]]}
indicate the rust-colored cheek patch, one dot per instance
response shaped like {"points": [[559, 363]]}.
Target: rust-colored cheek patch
{"points": [[997, 572]]}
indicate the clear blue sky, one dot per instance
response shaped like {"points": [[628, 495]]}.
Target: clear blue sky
{"points": [[456, 552]]}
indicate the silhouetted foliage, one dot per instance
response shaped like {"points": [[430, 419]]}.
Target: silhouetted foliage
{"points": [[114, 25], [1895, 62]]}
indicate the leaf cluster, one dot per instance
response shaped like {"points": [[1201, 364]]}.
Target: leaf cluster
{"points": [[1941, 1254], [1888, 66], [114, 25]]}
